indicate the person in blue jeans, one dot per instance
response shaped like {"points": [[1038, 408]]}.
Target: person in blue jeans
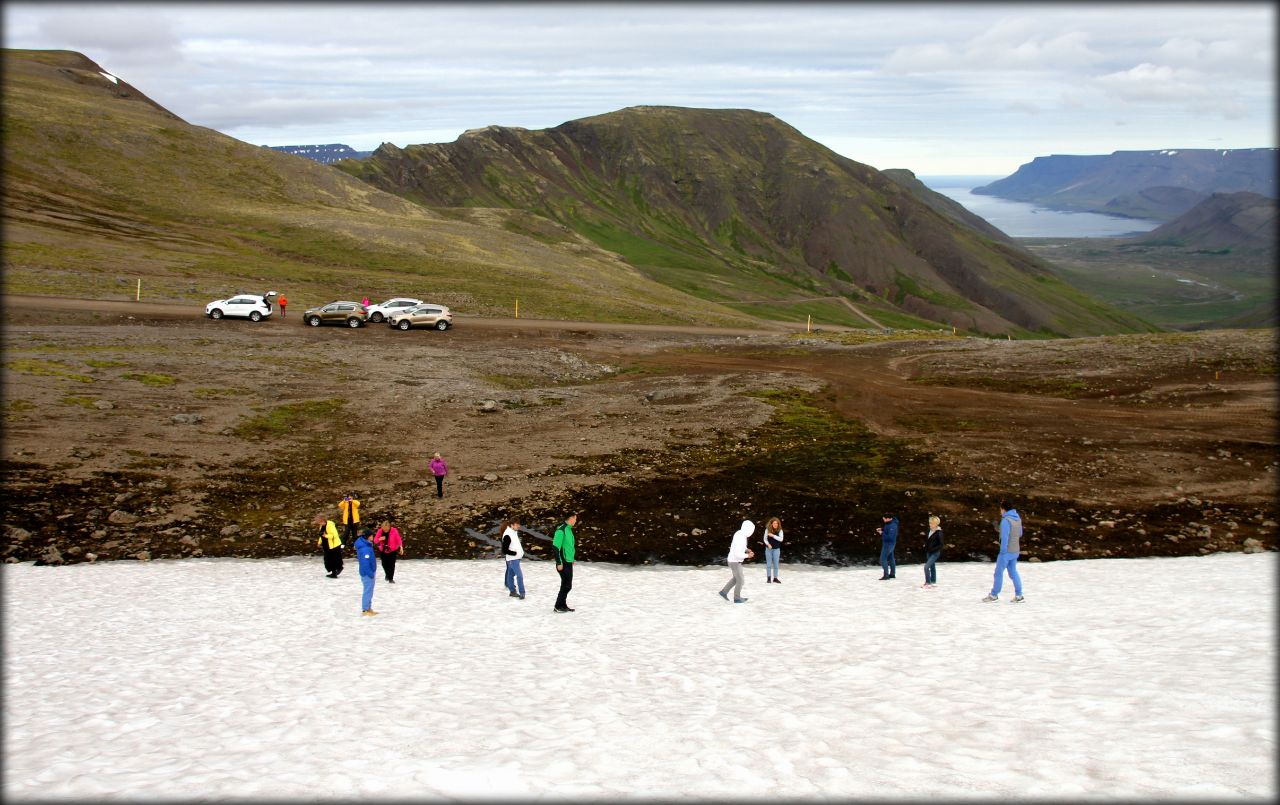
{"points": [[1010, 546], [368, 570], [772, 549], [512, 552], [932, 550], [888, 542]]}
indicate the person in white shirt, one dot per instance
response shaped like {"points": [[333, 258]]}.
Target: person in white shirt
{"points": [[738, 553], [513, 553], [772, 548]]}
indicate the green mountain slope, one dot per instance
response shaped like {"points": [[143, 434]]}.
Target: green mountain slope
{"points": [[736, 207], [103, 187]]}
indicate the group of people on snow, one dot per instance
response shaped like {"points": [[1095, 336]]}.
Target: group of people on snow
{"points": [[387, 544]]}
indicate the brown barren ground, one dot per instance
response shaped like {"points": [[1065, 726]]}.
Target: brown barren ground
{"points": [[147, 431]]}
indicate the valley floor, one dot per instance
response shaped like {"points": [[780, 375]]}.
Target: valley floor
{"points": [[225, 679]]}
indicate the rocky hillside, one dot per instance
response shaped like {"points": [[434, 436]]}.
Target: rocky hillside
{"points": [[105, 188], [1231, 222], [1143, 184], [738, 207]]}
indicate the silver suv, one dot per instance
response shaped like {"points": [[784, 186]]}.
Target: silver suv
{"points": [[437, 316]]}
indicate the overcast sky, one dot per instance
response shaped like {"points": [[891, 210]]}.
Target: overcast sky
{"points": [[940, 89]]}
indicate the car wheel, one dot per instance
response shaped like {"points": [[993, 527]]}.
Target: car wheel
{"points": [[215, 314], [314, 321], [442, 325], [376, 318], [403, 324], [255, 316], [353, 322]]}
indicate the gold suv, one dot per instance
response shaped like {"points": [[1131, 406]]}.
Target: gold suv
{"points": [[352, 314], [437, 316]]}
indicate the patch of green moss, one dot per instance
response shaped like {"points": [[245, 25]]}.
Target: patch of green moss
{"points": [[153, 379], [41, 368], [288, 417]]}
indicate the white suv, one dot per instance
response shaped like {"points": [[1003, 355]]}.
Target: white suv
{"points": [[241, 306], [383, 311]]}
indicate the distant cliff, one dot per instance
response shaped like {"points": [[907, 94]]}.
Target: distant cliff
{"points": [[1160, 185], [324, 154]]}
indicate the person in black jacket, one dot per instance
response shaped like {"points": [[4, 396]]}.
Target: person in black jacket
{"points": [[932, 550], [888, 542]]}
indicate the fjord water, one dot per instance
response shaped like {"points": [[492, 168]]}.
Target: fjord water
{"points": [[1022, 220]]}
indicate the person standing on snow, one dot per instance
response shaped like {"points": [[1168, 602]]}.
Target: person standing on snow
{"points": [[1010, 546], [439, 469], [368, 571], [772, 549], [387, 541], [932, 550], [349, 507], [562, 542], [331, 544], [888, 543], [738, 553], [513, 552]]}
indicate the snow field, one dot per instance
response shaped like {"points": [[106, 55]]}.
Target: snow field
{"points": [[237, 678]]}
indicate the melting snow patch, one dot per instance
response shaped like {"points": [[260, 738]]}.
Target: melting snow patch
{"points": [[109, 77]]}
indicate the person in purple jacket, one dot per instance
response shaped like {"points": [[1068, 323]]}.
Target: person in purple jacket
{"points": [[368, 572], [439, 469]]}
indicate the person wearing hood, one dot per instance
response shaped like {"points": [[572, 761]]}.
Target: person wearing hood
{"points": [[888, 543], [368, 571], [331, 546], [1010, 546], [513, 552], [738, 553]]}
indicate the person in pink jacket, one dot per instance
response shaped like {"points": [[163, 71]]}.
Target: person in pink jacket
{"points": [[388, 543], [439, 469]]}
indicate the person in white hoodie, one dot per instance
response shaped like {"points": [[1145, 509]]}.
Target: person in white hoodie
{"points": [[738, 553], [513, 552]]}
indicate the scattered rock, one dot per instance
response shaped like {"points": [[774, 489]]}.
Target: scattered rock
{"points": [[103, 405], [1252, 545], [229, 530], [186, 419], [122, 517], [15, 534], [189, 540], [489, 476], [143, 556], [92, 557], [122, 497], [489, 406]]}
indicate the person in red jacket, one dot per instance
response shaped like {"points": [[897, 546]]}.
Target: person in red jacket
{"points": [[387, 541], [282, 302]]}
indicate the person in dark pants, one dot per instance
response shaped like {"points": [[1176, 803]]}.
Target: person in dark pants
{"points": [[387, 542], [349, 506], [888, 542], [932, 550], [563, 545], [439, 469], [331, 544]]}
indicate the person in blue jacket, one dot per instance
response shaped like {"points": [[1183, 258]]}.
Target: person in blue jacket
{"points": [[1010, 546], [368, 571], [888, 541]]}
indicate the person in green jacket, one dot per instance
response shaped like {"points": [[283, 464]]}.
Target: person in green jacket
{"points": [[563, 544]]}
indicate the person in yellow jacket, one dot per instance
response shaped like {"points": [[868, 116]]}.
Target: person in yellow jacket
{"points": [[349, 506], [331, 544]]}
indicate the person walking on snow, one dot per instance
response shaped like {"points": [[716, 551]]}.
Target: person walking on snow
{"points": [[368, 571], [888, 542], [738, 553], [387, 542], [349, 507], [512, 552], [439, 469], [1010, 546], [331, 544], [562, 542], [932, 550], [772, 548]]}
